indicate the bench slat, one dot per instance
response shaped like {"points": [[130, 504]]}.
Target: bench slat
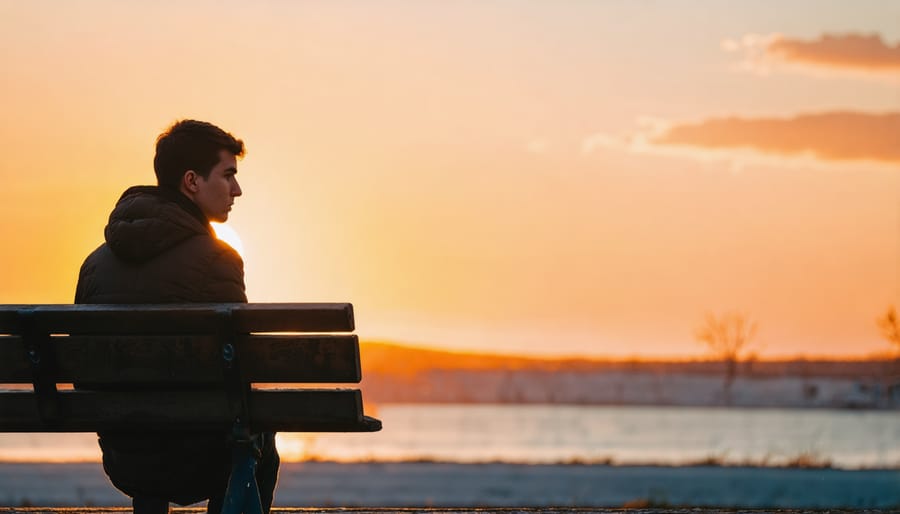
{"points": [[181, 318], [311, 410], [189, 359]]}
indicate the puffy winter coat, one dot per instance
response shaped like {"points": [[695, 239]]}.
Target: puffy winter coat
{"points": [[160, 249]]}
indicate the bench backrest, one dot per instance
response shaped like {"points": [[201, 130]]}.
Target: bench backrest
{"points": [[179, 366]]}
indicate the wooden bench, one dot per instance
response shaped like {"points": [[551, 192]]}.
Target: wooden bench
{"points": [[183, 367]]}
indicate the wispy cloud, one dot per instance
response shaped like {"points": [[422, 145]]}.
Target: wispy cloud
{"points": [[636, 142], [867, 53], [830, 136], [592, 142]]}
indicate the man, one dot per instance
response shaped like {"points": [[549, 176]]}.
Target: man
{"points": [[160, 248]]}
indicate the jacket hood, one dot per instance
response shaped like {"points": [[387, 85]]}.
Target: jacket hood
{"points": [[149, 220]]}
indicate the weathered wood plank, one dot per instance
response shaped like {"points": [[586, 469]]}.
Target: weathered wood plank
{"points": [[101, 359], [181, 318], [310, 410]]}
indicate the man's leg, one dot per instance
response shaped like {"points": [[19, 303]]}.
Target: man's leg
{"points": [[267, 470], [266, 475]]}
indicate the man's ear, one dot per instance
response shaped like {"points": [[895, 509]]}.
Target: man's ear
{"points": [[189, 181]]}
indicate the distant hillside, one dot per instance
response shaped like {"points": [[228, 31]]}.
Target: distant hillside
{"points": [[395, 373], [406, 360], [395, 359]]}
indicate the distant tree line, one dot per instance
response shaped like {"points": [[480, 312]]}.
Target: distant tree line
{"points": [[728, 337]]}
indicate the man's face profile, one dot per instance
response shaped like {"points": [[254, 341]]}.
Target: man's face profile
{"points": [[215, 194]]}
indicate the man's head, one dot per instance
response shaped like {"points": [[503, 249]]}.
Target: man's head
{"points": [[200, 160]]}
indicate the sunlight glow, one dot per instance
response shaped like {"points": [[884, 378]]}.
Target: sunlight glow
{"points": [[230, 236]]}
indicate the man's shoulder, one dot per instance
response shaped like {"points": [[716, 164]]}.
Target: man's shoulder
{"points": [[99, 254], [202, 249], [209, 248], [200, 268], [88, 271]]}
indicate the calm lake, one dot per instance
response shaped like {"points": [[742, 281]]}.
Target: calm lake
{"points": [[556, 434]]}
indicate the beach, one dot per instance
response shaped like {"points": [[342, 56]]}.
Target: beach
{"points": [[514, 456], [424, 484]]}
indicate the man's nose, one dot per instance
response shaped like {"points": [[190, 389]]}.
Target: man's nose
{"points": [[236, 190]]}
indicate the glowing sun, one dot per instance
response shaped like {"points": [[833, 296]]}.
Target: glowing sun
{"points": [[228, 234]]}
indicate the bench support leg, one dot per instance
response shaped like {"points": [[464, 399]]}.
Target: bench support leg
{"points": [[242, 494]]}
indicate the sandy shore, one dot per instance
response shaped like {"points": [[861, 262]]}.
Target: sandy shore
{"points": [[497, 485]]}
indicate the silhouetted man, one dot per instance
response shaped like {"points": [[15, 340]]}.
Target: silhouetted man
{"points": [[160, 248]]}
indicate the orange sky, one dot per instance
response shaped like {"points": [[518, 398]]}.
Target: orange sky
{"points": [[540, 177]]}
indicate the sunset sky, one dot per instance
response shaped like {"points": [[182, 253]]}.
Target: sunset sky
{"points": [[535, 177]]}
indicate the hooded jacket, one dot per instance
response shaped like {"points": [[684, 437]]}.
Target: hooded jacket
{"points": [[160, 249]]}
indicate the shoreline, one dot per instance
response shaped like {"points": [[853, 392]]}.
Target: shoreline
{"points": [[318, 484], [712, 462]]}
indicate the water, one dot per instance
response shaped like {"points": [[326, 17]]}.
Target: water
{"points": [[554, 434]]}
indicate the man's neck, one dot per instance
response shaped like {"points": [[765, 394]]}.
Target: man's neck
{"points": [[184, 201]]}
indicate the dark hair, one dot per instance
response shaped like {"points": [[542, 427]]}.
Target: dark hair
{"points": [[191, 145]]}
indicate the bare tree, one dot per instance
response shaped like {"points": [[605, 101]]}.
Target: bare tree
{"points": [[727, 336], [890, 328]]}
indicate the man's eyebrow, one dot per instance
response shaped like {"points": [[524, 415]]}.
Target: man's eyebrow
{"points": [[231, 170]]}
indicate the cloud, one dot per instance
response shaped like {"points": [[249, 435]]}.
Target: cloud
{"points": [[854, 51], [841, 52], [753, 46], [598, 140], [830, 136], [636, 142]]}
